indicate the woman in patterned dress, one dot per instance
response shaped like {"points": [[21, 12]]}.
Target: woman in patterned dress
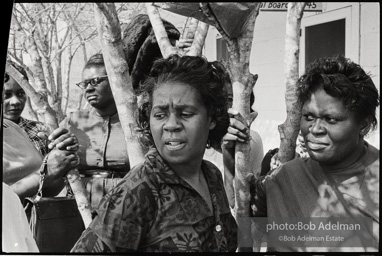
{"points": [[173, 201]]}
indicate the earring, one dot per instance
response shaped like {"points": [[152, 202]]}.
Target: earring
{"points": [[208, 143]]}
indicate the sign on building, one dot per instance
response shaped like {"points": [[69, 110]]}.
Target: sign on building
{"points": [[283, 6]]}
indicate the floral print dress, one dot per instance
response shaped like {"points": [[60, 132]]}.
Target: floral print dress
{"points": [[154, 210]]}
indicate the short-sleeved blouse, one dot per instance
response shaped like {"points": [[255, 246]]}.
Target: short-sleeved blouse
{"points": [[154, 210]]}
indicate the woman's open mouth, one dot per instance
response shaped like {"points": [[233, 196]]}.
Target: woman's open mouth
{"points": [[172, 144]]}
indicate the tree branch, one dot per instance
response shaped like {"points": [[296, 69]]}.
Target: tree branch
{"points": [[26, 12], [119, 78], [31, 48], [205, 7], [200, 37], [290, 128], [192, 28], [160, 32], [182, 34]]}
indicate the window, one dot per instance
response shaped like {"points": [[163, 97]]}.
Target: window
{"points": [[324, 39], [335, 31], [221, 50]]}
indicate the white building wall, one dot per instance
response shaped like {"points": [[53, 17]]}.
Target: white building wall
{"points": [[268, 53], [370, 53], [267, 58]]}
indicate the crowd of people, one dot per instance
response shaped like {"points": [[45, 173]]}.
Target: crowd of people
{"points": [[176, 200]]}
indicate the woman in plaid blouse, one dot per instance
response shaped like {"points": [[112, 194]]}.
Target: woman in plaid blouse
{"points": [[13, 105]]}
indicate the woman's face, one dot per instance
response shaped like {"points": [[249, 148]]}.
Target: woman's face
{"points": [[179, 123], [99, 96], [332, 134], [14, 100]]}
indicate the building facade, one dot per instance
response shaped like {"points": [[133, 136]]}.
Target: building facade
{"points": [[348, 28]]}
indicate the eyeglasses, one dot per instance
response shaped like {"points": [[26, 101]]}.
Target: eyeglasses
{"points": [[93, 82]]}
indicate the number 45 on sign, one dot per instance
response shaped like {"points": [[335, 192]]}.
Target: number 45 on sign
{"points": [[283, 6]]}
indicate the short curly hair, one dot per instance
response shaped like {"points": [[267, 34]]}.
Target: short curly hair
{"points": [[343, 79], [205, 77]]}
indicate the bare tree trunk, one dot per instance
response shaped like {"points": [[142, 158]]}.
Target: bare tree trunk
{"points": [[243, 83], [199, 39], [34, 42], [60, 114], [80, 195], [290, 128], [67, 76], [58, 64], [67, 80], [31, 48], [81, 95], [83, 47], [109, 32], [160, 32], [30, 110], [42, 45], [183, 34], [163, 41], [192, 29], [59, 84]]}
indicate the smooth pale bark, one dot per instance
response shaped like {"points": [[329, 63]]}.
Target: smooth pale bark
{"points": [[290, 128], [67, 76], [192, 29], [59, 85], [163, 41], [85, 57], [58, 81], [31, 112], [243, 83], [81, 94], [183, 34], [199, 39], [109, 33], [80, 195], [160, 32]]}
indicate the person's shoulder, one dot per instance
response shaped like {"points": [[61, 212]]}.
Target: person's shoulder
{"points": [[141, 176], [210, 167], [8, 123], [39, 125], [293, 167], [80, 113], [132, 195], [75, 117], [373, 151], [256, 137], [28, 121], [371, 160], [14, 127], [257, 143]]}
